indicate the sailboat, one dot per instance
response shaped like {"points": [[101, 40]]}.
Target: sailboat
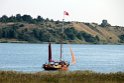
{"points": [[55, 65], [61, 64]]}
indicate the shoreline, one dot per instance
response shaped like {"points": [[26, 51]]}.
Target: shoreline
{"points": [[25, 42], [64, 42]]}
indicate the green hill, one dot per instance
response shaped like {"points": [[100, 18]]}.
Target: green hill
{"points": [[39, 30]]}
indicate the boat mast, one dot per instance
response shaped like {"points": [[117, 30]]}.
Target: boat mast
{"points": [[50, 53], [61, 45]]}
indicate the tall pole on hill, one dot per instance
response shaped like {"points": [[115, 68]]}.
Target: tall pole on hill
{"points": [[62, 33]]}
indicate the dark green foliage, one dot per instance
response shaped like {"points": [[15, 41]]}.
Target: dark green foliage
{"points": [[39, 19], [37, 33], [97, 38], [12, 19], [27, 18], [70, 33], [89, 38], [121, 38], [1, 33], [57, 22], [21, 25], [19, 18], [80, 36], [47, 20], [4, 18], [9, 31]]}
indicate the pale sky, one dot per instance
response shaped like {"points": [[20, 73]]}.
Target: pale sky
{"points": [[79, 10]]}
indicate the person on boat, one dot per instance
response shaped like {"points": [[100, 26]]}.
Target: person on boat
{"points": [[62, 63]]}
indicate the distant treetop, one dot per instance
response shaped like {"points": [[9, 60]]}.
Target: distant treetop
{"points": [[23, 18]]}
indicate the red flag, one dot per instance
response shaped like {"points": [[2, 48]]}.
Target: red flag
{"points": [[66, 13]]}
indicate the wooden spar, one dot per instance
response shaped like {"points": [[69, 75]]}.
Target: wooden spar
{"points": [[61, 45], [61, 52], [73, 57], [50, 53]]}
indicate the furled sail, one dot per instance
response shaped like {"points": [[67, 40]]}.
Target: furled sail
{"points": [[50, 53], [73, 56]]}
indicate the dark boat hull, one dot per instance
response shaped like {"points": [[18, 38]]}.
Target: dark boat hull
{"points": [[56, 66], [51, 68]]}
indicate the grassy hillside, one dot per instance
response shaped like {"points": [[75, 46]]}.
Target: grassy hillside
{"points": [[38, 30], [109, 34]]}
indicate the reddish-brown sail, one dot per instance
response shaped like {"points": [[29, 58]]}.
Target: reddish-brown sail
{"points": [[50, 52], [73, 56]]}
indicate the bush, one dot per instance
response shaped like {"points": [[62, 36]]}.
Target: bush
{"points": [[121, 37]]}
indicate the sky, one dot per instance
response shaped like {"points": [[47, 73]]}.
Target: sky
{"points": [[79, 10]]}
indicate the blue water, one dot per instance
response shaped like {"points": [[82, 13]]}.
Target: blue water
{"points": [[30, 57]]}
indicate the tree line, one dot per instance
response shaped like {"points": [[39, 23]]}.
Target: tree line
{"points": [[23, 18]]}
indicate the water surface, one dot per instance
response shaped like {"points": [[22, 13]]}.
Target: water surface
{"points": [[30, 57]]}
